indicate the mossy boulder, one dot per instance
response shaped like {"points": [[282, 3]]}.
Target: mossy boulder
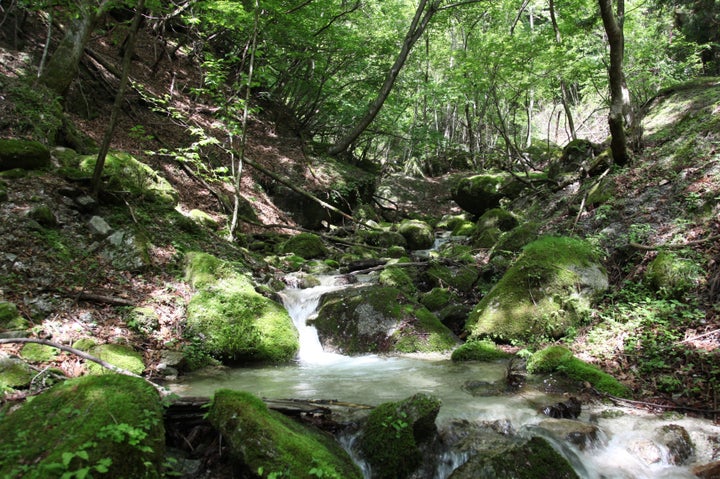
{"points": [[479, 193], [126, 173], [483, 350], [383, 238], [110, 425], [437, 298], [418, 234], [265, 443], [305, 245], [25, 154], [378, 319], [530, 459], [672, 275], [558, 359], [120, 355], [10, 319], [392, 439], [546, 292], [460, 278], [229, 321], [38, 353], [397, 277], [14, 373], [203, 219], [577, 155], [515, 239], [43, 215], [497, 218]]}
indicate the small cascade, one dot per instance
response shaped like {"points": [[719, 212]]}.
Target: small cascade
{"points": [[302, 305]]}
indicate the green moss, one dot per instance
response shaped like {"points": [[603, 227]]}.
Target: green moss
{"points": [[383, 239], [497, 218], [305, 245], [486, 238], [14, 373], [479, 351], [479, 193], [395, 252], [561, 360], [10, 319], [264, 440], [84, 344], [203, 218], [43, 215], [418, 234], [38, 353], [82, 423], [396, 277], [234, 321], [118, 355], [14, 174], [464, 228], [437, 298], [390, 438], [461, 278], [515, 239], [126, 173], [546, 292], [24, 154], [673, 276]]}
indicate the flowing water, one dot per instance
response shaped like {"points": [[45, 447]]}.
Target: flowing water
{"points": [[376, 379]]}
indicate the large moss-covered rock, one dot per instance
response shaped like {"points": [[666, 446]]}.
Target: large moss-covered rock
{"points": [[265, 443], [25, 154], [531, 459], [479, 193], [579, 154], [547, 291], [125, 173], [377, 319], [671, 275], [305, 245], [418, 234], [392, 439], [228, 320], [10, 319], [109, 426], [461, 278], [14, 373]]}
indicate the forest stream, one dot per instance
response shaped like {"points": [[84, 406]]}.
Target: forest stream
{"points": [[625, 447]]}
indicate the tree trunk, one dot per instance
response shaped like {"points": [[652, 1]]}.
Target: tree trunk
{"points": [[419, 23], [619, 94], [63, 65], [105, 146]]}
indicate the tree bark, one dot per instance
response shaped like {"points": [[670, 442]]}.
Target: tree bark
{"points": [[423, 15], [62, 68], [619, 94], [105, 146]]}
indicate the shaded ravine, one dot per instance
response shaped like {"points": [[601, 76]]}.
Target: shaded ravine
{"points": [[625, 435]]}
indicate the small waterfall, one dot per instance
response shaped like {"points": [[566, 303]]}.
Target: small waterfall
{"points": [[302, 305]]}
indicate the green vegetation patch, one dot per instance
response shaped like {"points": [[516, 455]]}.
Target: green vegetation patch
{"points": [[25, 154], [483, 350], [38, 353], [108, 425], [229, 321], [460, 278], [418, 234], [272, 445], [561, 360], [10, 319], [397, 277], [14, 373], [497, 218], [673, 276], [118, 355], [547, 292], [305, 245]]}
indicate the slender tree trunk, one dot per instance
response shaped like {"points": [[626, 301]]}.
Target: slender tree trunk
{"points": [[420, 21], [564, 96], [619, 94], [239, 168], [127, 57]]}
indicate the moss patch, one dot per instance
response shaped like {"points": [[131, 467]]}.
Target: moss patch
{"points": [[460, 278], [305, 245], [267, 441], [28, 155], [396, 277], [110, 423], [418, 234], [14, 373], [672, 276], [118, 355], [561, 360], [547, 291], [38, 353], [479, 351]]}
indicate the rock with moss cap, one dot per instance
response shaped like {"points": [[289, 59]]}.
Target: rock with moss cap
{"points": [[109, 425], [25, 154], [484, 350], [418, 234], [120, 355], [672, 275], [396, 434], [558, 359], [546, 292], [14, 373], [461, 278], [263, 443], [10, 319], [305, 245], [378, 319], [229, 321]]}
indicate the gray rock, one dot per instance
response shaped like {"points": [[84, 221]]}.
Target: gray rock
{"points": [[99, 227]]}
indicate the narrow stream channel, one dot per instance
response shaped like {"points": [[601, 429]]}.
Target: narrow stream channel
{"points": [[375, 379]]}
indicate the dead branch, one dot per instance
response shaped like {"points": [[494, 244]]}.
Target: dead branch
{"points": [[101, 298], [674, 246], [86, 356]]}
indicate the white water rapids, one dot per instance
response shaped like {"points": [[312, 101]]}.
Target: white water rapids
{"points": [[376, 379]]}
